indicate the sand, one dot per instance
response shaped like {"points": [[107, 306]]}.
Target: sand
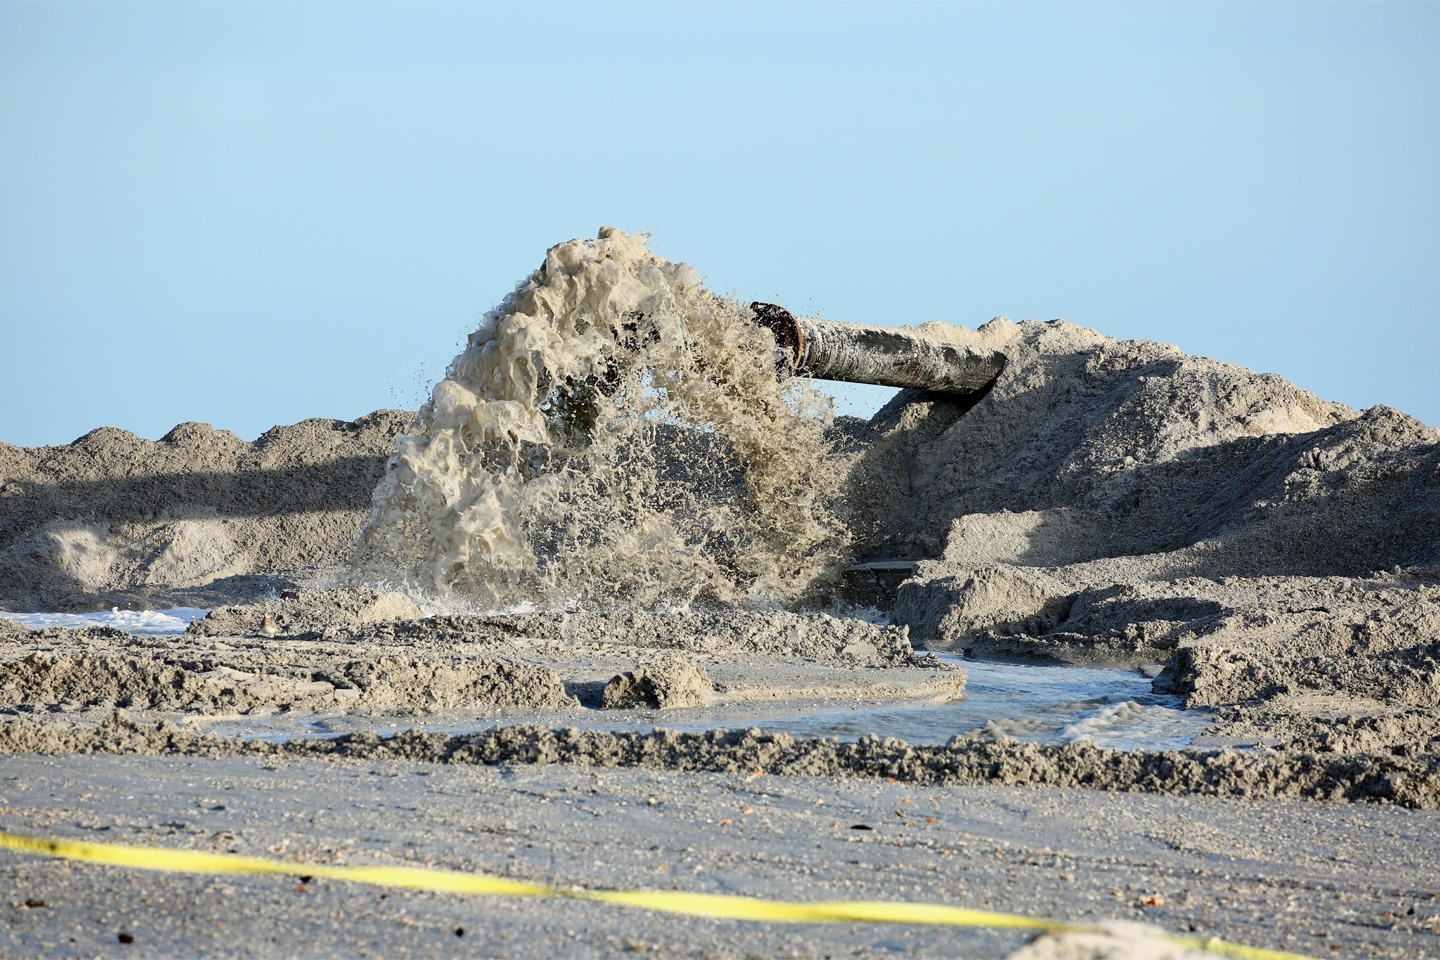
{"points": [[1264, 554], [1284, 874], [198, 518]]}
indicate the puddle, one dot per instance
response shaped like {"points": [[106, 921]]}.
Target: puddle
{"points": [[1044, 704]]}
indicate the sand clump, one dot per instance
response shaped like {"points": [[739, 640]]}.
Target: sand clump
{"points": [[1378, 639], [662, 684]]}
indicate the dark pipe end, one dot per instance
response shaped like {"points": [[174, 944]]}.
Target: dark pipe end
{"points": [[788, 337]]}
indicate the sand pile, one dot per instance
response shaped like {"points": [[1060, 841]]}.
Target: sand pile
{"points": [[306, 613], [198, 518], [815, 637], [662, 683], [1088, 449], [361, 617], [1123, 502]]}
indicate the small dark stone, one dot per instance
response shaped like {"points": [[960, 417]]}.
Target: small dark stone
{"points": [[127, 938], [32, 903], [306, 878], [459, 931], [860, 826]]}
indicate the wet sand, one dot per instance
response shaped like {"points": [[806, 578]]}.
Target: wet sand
{"points": [[208, 741], [1318, 878]]}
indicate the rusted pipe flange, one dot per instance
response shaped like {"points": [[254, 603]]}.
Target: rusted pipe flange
{"points": [[788, 337]]}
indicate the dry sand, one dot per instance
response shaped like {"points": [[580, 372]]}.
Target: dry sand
{"points": [[1106, 502], [198, 518]]}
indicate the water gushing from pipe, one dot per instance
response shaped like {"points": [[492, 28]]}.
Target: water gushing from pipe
{"points": [[613, 431]]}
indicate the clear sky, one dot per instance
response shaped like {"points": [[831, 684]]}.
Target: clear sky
{"points": [[250, 214]]}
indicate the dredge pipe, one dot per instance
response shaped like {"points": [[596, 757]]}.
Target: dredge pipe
{"points": [[884, 356]]}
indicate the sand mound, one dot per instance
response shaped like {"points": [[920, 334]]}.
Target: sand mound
{"points": [[306, 612], [807, 636], [1087, 448], [197, 518], [1122, 502]]}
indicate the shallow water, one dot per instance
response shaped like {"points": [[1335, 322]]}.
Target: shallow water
{"points": [[1044, 704], [144, 623]]}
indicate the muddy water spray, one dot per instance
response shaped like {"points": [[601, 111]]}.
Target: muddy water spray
{"points": [[613, 431]]}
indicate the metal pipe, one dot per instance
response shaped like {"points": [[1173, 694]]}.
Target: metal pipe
{"points": [[855, 353]]}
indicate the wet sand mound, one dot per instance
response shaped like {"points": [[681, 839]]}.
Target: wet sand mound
{"points": [[805, 636], [662, 683], [363, 616], [306, 613], [101, 669]]}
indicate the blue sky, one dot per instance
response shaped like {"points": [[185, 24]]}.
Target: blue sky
{"points": [[249, 214]]}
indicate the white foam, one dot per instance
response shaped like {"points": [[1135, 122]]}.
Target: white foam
{"points": [[1124, 725], [147, 623]]}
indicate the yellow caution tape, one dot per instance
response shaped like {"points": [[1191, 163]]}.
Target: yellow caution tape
{"points": [[721, 906]]}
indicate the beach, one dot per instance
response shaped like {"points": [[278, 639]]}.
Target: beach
{"points": [[621, 608], [1320, 879]]}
